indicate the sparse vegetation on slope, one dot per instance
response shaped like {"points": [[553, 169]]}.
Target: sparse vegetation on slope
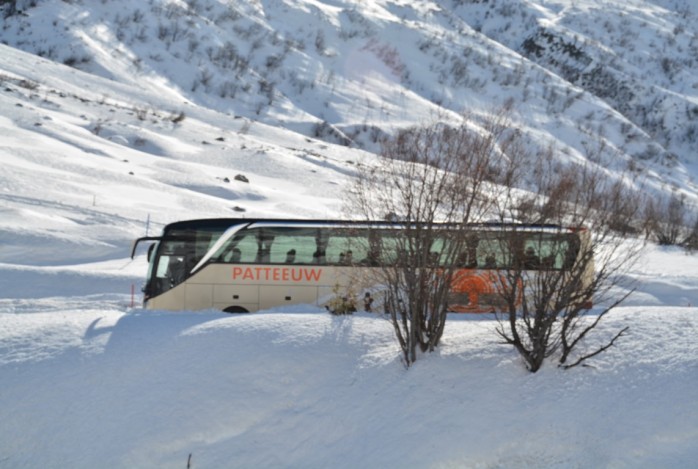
{"points": [[352, 72]]}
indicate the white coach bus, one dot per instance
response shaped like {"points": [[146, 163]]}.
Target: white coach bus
{"points": [[245, 265]]}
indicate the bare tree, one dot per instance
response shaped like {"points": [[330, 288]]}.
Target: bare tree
{"points": [[553, 277], [436, 180], [666, 220], [578, 219]]}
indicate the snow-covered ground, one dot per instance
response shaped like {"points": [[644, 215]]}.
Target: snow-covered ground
{"points": [[89, 382], [88, 379]]}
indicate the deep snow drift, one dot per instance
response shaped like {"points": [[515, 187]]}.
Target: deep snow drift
{"points": [[89, 387]]}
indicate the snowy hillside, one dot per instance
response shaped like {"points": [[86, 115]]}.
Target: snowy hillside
{"points": [[119, 117], [349, 71], [179, 97]]}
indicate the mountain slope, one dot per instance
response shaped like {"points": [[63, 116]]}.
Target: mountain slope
{"points": [[350, 72], [168, 101], [81, 152]]}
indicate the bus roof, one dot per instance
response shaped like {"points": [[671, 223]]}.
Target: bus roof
{"points": [[224, 223]]}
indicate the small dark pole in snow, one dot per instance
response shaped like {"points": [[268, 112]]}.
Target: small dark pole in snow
{"points": [[189, 462], [147, 225], [133, 295]]}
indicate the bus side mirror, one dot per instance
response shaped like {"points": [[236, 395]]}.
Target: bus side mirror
{"points": [[139, 240]]}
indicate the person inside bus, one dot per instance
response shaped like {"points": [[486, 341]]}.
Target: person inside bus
{"points": [[467, 260], [346, 258], [318, 257], [434, 258], [190, 262], [176, 270], [371, 259], [548, 262], [236, 255], [263, 256], [291, 256], [531, 260], [490, 261]]}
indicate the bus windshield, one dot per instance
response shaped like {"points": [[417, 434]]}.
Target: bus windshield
{"points": [[178, 252]]}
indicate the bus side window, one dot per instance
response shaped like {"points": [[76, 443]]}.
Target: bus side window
{"points": [[553, 251], [162, 282], [389, 249], [320, 254], [264, 243], [347, 247], [245, 250], [373, 250], [293, 246], [490, 253], [304, 246]]}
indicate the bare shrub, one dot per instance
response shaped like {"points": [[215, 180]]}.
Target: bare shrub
{"points": [[434, 180], [554, 278], [666, 220], [343, 301]]}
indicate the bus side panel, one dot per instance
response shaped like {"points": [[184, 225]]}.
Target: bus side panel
{"points": [[172, 299], [213, 287], [474, 291], [262, 286], [226, 295], [271, 296], [198, 296], [212, 274]]}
